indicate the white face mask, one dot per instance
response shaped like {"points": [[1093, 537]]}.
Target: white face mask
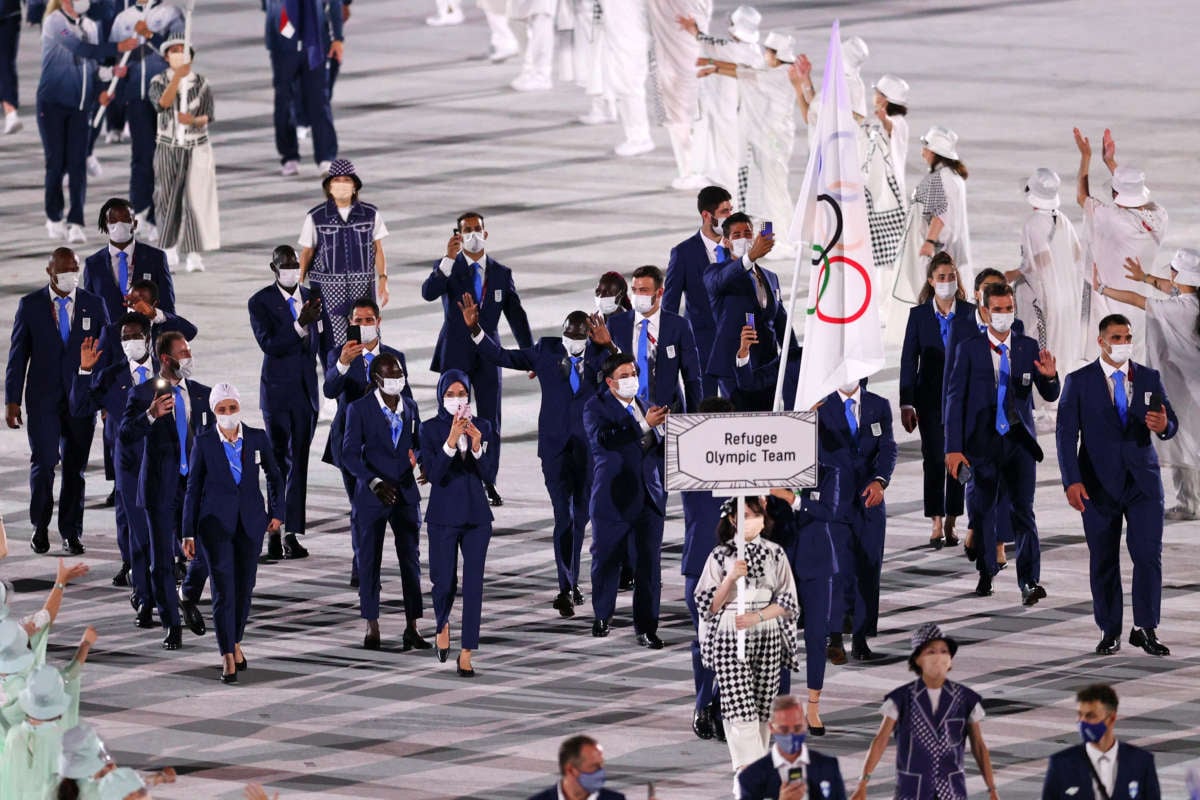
{"points": [[606, 305], [229, 422], [1120, 353], [849, 388], [81, 6], [643, 303], [934, 666], [753, 527], [574, 347], [627, 387], [739, 247], [342, 193], [945, 290], [120, 232], [288, 278], [185, 368], [176, 60], [1001, 323], [67, 281], [454, 404], [473, 241], [371, 334], [392, 387], [718, 223], [135, 349]]}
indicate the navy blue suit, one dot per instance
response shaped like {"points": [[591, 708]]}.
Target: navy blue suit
{"points": [[147, 263], [685, 278], [701, 513], [288, 387], [458, 515], [161, 487], [675, 373], [367, 453], [1069, 775], [455, 349], [922, 377], [628, 500], [1003, 465], [1118, 466], [761, 781], [346, 388], [858, 532], [299, 63], [228, 520], [552, 794], [42, 369], [761, 380]]}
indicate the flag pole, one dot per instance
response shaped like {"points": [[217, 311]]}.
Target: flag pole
{"points": [[785, 348], [741, 582]]}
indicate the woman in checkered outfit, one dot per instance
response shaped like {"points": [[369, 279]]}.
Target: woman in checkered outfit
{"points": [[747, 687]]}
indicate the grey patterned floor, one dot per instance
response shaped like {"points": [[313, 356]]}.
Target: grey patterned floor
{"points": [[433, 130]]}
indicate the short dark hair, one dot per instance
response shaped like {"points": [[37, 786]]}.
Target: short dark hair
{"points": [[109, 204], [165, 340], [613, 362], [382, 360], [727, 528], [467, 215], [734, 219], [710, 198], [649, 271], [134, 318], [150, 287], [717, 405], [576, 317], [571, 749], [1100, 693], [1114, 319], [365, 302], [997, 290], [986, 273], [896, 109]]}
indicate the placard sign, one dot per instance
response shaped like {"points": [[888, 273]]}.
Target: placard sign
{"points": [[731, 452]]}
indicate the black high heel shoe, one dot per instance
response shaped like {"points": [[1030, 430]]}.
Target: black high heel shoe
{"points": [[229, 677], [242, 665], [463, 673]]}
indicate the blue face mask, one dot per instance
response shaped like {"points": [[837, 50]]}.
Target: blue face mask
{"points": [[789, 742], [592, 781], [1092, 731]]}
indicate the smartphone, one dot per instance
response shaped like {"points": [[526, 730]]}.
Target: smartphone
{"points": [[750, 318], [768, 228], [464, 412], [354, 333], [162, 386], [1155, 403], [795, 774], [965, 473]]}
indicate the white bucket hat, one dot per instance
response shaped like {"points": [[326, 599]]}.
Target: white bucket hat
{"points": [[172, 41], [44, 696], [15, 655], [1130, 185], [743, 24], [1041, 189], [1186, 264], [854, 52], [781, 43], [120, 783], [83, 754], [941, 141], [893, 88]]}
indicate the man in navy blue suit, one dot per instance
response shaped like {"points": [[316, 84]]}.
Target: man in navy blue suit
{"points": [[566, 368], [690, 259], [49, 328], [790, 771], [1109, 467], [628, 499], [162, 417], [111, 271], [1100, 766], [467, 269], [581, 765], [381, 448], [661, 343], [743, 293], [293, 332], [989, 427]]}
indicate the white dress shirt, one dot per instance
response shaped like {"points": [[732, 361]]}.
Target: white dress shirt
{"points": [[637, 414], [447, 264], [856, 409], [994, 342], [294, 294], [54, 298], [710, 247], [135, 366], [652, 340], [783, 766], [1109, 369], [113, 259], [561, 796], [1105, 763]]}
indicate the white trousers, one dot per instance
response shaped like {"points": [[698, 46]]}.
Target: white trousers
{"points": [[539, 46], [747, 741]]}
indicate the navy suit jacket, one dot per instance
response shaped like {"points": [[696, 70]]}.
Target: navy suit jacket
{"points": [[290, 361], [214, 505], [958, 335], [751, 378], [40, 366], [1068, 770], [676, 359], [110, 337], [159, 442], [733, 294], [923, 356], [971, 397], [626, 465], [348, 388], [1094, 448], [456, 495], [685, 277], [858, 460], [106, 389], [368, 453], [455, 349], [701, 513], [552, 794], [804, 534], [760, 780], [148, 264]]}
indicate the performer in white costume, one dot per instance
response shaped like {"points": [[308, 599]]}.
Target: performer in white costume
{"points": [[538, 66], [675, 54], [589, 65], [624, 53], [891, 109]]}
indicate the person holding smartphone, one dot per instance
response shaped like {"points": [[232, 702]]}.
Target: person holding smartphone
{"points": [[791, 770]]}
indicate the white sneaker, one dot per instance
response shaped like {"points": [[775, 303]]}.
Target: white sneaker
{"points": [[12, 122], [601, 113], [532, 83], [75, 235], [1180, 513], [94, 170], [290, 168], [112, 137], [453, 17], [634, 147], [147, 231], [323, 168], [172, 256], [302, 132], [503, 54], [689, 182], [56, 230], [125, 134], [195, 263]]}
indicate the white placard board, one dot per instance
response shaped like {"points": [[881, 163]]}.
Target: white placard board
{"points": [[741, 451]]}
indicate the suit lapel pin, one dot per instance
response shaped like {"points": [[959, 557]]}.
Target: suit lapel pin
{"points": [[1133, 789]]}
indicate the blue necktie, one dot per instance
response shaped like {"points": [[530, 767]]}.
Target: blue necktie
{"points": [[64, 318], [1119, 395], [944, 327], [632, 413], [575, 373], [850, 419], [643, 362], [123, 270], [478, 282], [292, 308], [367, 359], [233, 452], [181, 429], [720, 254], [982, 328], [395, 422], [142, 374], [1002, 391]]}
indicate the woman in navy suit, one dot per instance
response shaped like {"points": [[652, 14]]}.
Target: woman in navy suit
{"points": [[459, 455], [225, 516]]}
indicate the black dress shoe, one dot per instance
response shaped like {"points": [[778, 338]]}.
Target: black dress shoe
{"points": [[714, 713], [145, 616], [180, 570], [111, 500], [73, 547], [493, 496], [463, 673], [562, 602], [353, 580], [371, 641], [1031, 594], [650, 640], [859, 650], [40, 541], [599, 628], [413, 640], [122, 576], [134, 602], [242, 665], [229, 677], [937, 543], [1108, 645], [576, 596], [174, 638], [971, 551], [1147, 639], [702, 724], [192, 617], [292, 549], [274, 547], [984, 587], [951, 539], [626, 582]]}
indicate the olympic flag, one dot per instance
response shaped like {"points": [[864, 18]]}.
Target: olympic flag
{"points": [[842, 338]]}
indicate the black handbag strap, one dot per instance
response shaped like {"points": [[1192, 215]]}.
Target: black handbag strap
{"points": [[1096, 775]]}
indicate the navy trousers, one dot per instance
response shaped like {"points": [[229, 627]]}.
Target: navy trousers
{"points": [[289, 72], [291, 433], [1003, 483], [142, 117], [233, 563], [65, 136], [1102, 517], [816, 598], [163, 519], [369, 536], [55, 435], [137, 534], [859, 550], [943, 494], [569, 483], [10, 34], [609, 543], [445, 543], [704, 678]]}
